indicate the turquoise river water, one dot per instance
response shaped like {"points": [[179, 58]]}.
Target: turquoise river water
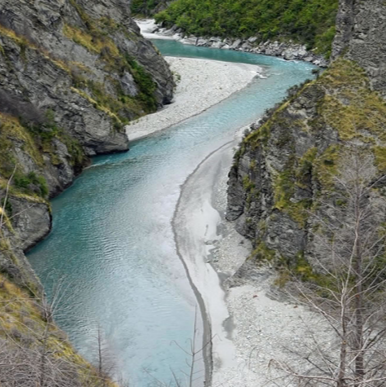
{"points": [[112, 243]]}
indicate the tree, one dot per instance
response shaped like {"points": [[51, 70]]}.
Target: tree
{"points": [[348, 286], [105, 361], [34, 352]]}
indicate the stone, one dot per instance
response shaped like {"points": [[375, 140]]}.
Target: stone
{"points": [[201, 42], [246, 46], [236, 44], [218, 45], [190, 41], [128, 85]]}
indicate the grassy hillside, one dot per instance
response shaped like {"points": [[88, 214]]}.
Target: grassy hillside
{"points": [[311, 22], [34, 352]]}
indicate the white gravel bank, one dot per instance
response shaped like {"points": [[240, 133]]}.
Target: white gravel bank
{"points": [[250, 328], [202, 84]]}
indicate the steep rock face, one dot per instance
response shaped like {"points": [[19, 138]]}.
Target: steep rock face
{"points": [[361, 32], [284, 168], [84, 61], [72, 74], [283, 174]]}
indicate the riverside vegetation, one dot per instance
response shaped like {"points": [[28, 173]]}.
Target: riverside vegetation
{"points": [[307, 22], [72, 74]]}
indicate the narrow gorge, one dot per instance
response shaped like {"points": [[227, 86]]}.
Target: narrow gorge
{"points": [[191, 259]]}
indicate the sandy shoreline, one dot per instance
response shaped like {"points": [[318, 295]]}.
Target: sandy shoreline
{"points": [[195, 227], [200, 84]]}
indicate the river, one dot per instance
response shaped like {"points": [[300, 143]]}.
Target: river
{"points": [[112, 245]]}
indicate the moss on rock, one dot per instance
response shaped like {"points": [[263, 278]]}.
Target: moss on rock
{"points": [[292, 158]]}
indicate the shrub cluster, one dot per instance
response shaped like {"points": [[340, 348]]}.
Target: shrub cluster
{"points": [[309, 22]]}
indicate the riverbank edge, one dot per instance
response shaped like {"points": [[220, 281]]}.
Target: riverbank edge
{"points": [[284, 50], [207, 344], [203, 107]]}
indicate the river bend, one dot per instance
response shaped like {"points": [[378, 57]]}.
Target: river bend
{"points": [[112, 242]]}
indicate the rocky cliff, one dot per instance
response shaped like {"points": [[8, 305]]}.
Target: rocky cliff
{"points": [[73, 73], [285, 166], [361, 32]]}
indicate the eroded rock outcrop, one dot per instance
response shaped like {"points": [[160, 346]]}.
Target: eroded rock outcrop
{"points": [[72, 74], [361, 33], [284, 167]]}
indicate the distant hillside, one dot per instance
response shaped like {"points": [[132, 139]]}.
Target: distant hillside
{"points": [[310, 22]]}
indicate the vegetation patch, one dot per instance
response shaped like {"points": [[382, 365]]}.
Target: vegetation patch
{"points": [[351, 107], [259, 136], [95, 43], [146, 7], [94, 102], [325, 167], [380, 158], [25, 43], [262, 253], [11, 130], [33, 140], [28, 333], [311, 22], [121, 108], [30, 182]]}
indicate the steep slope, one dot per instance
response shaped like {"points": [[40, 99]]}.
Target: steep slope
{"points": [[361, 32], [72, 74], [284, 167]]}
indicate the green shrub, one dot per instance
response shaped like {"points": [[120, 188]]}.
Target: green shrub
{"points": [[144, 7], [30, 182]]}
